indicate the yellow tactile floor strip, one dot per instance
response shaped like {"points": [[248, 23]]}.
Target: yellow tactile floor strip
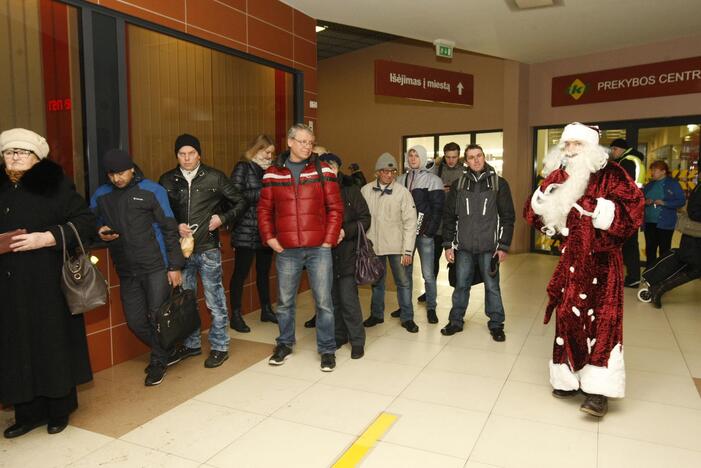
{"points": [[366, 441]]}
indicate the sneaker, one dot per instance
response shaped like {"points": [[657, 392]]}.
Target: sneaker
{"points": [[182, 352], [421, 298], [396, 313], [280, 355], [372, 321], [216, 359], [557, 393], [498, 334], [431, 315], [450, 329], [155, 374], [410, 326], [328, 362], [357, 352], [596, 405]]}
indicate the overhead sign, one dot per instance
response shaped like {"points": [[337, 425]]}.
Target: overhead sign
{"points": [[424, 83], [641, 81]]}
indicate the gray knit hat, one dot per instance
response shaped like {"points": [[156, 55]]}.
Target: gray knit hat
{"points": [[386, 161]]}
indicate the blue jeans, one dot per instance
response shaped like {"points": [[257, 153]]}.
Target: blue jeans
{"points": [[402, 277], [425, 246], [208, 264], [319, 264], [465, 264]]}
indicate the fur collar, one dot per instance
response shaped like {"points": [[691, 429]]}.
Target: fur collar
{"points": [[44, 178]]}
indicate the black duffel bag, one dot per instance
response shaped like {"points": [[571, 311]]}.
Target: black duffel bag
{"points": [[177, 318], [368, 266]]}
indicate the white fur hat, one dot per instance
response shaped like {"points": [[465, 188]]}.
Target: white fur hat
{"points": [[580, 132], [22, 138]]}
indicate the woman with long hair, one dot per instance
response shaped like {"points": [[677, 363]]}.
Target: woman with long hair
{"points": [[245, 239]]}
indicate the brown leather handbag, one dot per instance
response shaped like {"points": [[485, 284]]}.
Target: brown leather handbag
{"points": [[81, 282]]}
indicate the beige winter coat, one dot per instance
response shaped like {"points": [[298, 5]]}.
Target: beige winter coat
{"points": [[393, 227]]}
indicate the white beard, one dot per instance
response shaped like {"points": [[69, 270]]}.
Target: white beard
{"points": [[555, 204]]}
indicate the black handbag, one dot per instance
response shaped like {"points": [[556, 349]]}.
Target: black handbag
{"points": [[368, 267], [177, 318], [81, 282]]}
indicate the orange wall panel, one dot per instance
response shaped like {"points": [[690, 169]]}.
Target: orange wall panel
{"points": [[100, 349], [273, 12], [214, 17], [305, 52], [142, 13], [304, 26], [270, 38]]}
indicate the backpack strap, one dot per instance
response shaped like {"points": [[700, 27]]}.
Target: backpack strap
{"points": [[317, 165]]}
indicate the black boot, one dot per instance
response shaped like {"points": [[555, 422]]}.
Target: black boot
{"points": [[237, 322], [667, 285], [267, 314]]}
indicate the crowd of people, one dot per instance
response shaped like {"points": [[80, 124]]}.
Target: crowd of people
{"points": [[299, 209]]}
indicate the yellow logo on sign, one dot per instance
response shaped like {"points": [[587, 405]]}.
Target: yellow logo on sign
{"points": [[577, 89]]}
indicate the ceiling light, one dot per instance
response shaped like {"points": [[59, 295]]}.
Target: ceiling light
{"points": [[321, 28], [692, 128]]}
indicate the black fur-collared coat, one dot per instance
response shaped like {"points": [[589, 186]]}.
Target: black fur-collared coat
{"points": [[43, 348]]}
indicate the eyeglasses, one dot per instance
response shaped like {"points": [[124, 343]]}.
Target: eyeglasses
{"points": [[304, 142], [19, 152], [387, 171]]}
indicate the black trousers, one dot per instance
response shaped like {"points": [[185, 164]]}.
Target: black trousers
{"points": [[43, 408], [631, 258], [347, 313], [242, 264], [656, 240], [142, 296]]}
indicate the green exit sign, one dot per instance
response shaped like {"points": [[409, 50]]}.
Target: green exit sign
{"points": [[444, 51]]}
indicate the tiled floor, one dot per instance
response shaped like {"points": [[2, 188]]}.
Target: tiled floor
{"points": [[461, 401]]}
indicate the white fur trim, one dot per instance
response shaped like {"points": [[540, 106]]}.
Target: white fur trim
{"points": [[609, 381], [579, 132], [562, 377], [535, 201], [604, 213]]}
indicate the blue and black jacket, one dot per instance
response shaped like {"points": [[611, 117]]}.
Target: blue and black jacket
{"points": [[148, 232]]}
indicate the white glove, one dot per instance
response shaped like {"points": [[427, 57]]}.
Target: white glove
{"points": [[603, 214]]}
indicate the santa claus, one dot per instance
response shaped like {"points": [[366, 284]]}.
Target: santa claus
{"points": [[592, 205]]}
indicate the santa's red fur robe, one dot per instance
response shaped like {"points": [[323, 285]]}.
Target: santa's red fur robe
{"points": [[586, 289]]}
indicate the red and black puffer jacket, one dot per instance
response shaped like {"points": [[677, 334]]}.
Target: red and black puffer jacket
{"points": [[305, 215]]}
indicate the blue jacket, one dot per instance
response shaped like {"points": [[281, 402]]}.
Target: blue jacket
{"points": [[674, 198], [427, 190], [148, 233]]}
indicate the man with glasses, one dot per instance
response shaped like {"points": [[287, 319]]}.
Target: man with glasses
{"points": [[300, 214], [203, 199], [478, 223], [393, 234]]}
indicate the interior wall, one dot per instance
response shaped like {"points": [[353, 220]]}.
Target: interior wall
{"points": [[359, 126], [542, 113]]}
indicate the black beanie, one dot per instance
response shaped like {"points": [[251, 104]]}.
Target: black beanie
{"points": [[187, 140], [619, 143], [326, 157], [117, 160]]}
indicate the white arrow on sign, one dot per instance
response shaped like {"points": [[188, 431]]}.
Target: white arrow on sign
{"points": [[460, 88]]}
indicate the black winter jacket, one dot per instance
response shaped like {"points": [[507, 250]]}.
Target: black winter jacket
{"points": [[247, 177], [355, 209], [484, 213], [211, 193], [148, 233], [43, 349]]}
